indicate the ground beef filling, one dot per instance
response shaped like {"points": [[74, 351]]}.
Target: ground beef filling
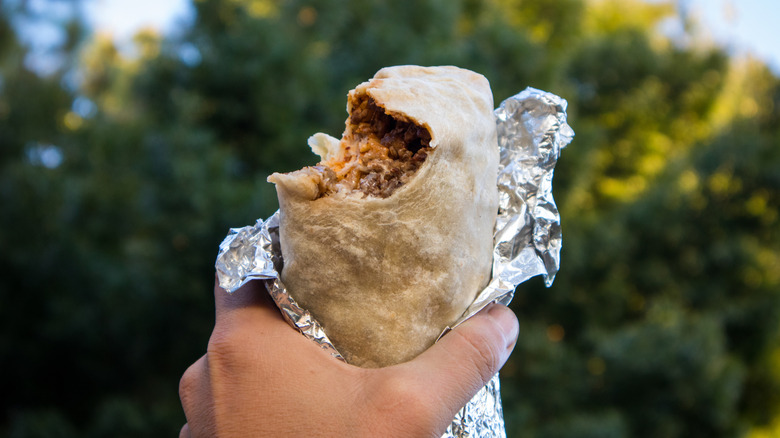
{"points": [[380, 153]]}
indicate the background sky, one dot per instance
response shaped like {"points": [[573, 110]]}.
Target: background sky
{"points": [[743, 26], [122, 18]]}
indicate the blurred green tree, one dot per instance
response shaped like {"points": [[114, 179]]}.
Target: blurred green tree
{"points": [[120, 174]]}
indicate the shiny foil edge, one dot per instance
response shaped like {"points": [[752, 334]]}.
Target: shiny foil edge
{"points": [[532, 130]]}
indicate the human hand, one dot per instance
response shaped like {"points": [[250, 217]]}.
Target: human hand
{"points": [[261, 378]]}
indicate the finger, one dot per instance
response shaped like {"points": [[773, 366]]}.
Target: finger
{"points": [[252, 296], [185, 431], [194, 387], [466, 358]]}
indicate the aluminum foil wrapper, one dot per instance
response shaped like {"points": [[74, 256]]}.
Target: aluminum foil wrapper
{"points": [[532, 130]]}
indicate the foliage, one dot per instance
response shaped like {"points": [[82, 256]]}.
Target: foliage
{"points": [[117, 186]]}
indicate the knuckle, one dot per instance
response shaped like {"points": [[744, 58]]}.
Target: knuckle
{"points": [[482, 353], [406, 394], [224, 347], [403, 406], [233, 350], [189, 382]]}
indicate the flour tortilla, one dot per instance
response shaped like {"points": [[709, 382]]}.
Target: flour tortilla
{"points": [[385, 276]]}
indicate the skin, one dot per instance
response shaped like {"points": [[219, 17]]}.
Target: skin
{"points": [[261, 378]]}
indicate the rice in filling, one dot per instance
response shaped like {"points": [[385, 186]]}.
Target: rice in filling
{"points": [[378, 153]]}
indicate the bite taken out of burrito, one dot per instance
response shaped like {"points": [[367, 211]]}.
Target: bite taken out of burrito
{"points": [[389, 238]]}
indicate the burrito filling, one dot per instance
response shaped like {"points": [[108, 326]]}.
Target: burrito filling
{"points": [[378, 153]]}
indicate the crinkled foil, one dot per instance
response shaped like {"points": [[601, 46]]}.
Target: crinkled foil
{"points": [[532, 130]]}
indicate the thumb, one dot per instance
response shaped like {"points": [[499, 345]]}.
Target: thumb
{"points": [[465, 359]]}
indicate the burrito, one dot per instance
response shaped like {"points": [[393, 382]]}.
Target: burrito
{"points": [[389, 238]]}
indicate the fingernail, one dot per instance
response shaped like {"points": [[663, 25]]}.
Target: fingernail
{"points": [[506, 320]]}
